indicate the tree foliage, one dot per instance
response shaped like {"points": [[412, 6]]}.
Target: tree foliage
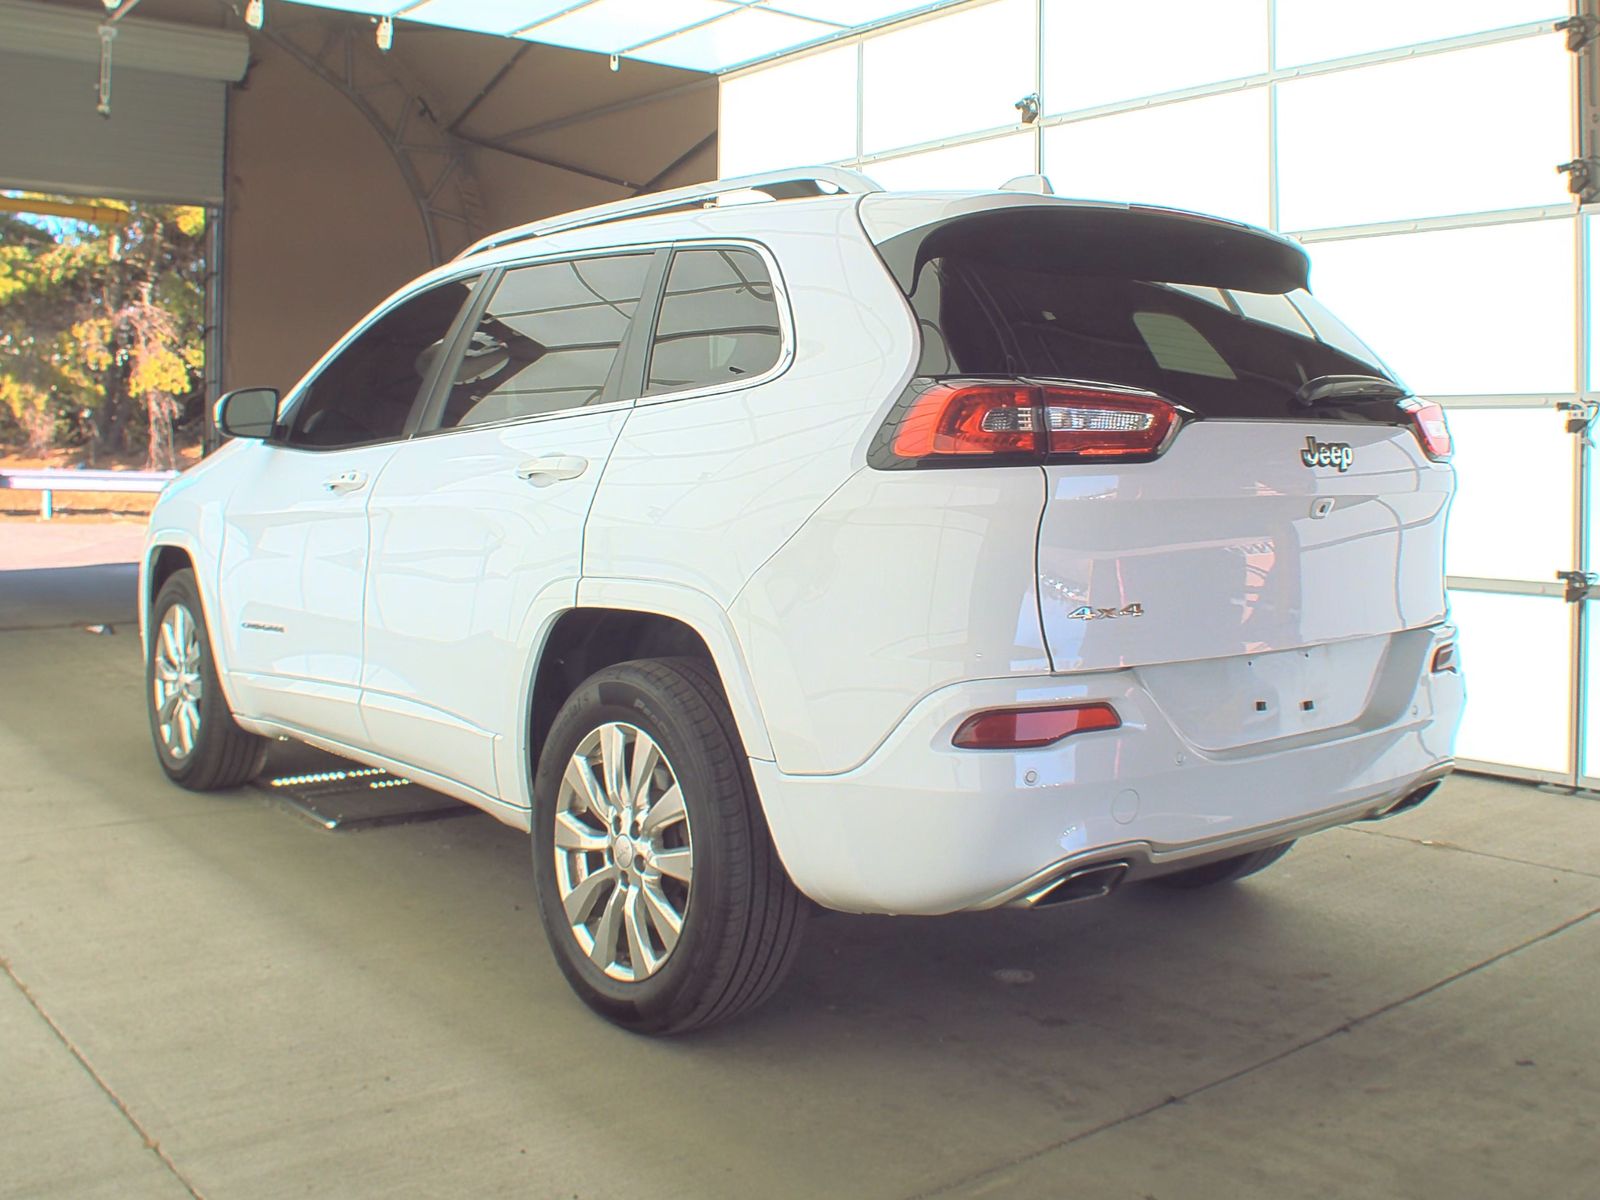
{"points": [[101, 330]]}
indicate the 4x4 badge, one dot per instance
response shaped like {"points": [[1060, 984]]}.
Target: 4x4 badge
{"points": [[1327, 454], [1101, 614]]}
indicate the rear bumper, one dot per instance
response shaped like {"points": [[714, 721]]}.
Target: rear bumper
{"points": [[924, 828]]}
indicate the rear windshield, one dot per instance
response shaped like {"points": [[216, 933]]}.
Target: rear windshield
{"points": [[1223, 352]]}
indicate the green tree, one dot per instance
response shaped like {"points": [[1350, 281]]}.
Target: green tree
{"points": [[101, 329]]}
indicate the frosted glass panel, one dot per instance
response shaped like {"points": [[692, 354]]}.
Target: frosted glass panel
{"points": [[948, 76], [1516, 652], [1460, 311], [1098, 53], [1512, 517], [1313, 30], [795, 114], [746, 35], [985, 164], [1209, 155], [1469, 131]]}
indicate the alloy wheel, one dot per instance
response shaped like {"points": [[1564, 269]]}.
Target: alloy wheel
{"points": [[624, 856], [178, 682]]}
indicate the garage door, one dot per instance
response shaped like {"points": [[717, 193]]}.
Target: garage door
{"points": [[163, 139]]}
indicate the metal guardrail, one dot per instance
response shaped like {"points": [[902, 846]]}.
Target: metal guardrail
{"points": [[49, 480]]}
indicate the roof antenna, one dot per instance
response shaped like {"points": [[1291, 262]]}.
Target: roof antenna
{"points": [[1037, 184]]}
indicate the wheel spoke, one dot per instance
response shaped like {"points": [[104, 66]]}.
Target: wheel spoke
{"points": [[188, 724], [667, 920], [640, 951], [580, 778], [667, 809], [573, 834], [612, 750], [677, 863], [645, 757], [604, 951], [580, 902], [169, 638], [169, 706]]}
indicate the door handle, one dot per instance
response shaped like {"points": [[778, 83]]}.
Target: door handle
{"points": [[346, 481], [542, 472]]}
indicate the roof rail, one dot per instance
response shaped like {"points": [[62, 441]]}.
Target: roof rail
{"points": [[792, 184]]}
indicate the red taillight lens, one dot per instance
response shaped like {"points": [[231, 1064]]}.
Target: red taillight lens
{"points": [[968, 420], [1432, 430], [962, 420], [1024, 728]]}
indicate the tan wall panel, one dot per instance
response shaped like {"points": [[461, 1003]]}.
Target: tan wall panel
{"points": [[319, 223]]}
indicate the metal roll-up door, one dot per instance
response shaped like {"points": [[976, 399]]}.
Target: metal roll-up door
{"points": [[164, 137]]}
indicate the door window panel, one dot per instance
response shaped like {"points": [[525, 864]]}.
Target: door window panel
{"points": [[1095, 54], [1476, 311], [366, 392], [1513, 510], [1371, 145], [1314, 30], [761, 128], [547, 341], [947, 76], [718, 324], [1209, 155], [1516, 652], [984, 164]]}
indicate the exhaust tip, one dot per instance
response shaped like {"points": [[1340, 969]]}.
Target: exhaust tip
{"points": [[1085, 883], [1409, 801]]}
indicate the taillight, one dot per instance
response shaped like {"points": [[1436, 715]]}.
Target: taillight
{"points": [[955, 422], [1026, 728], [1428, 423], [1444, 658]]}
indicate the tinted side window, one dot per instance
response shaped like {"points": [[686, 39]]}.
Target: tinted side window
{"points": [[718, 323], [365, 393], [548, 340]]}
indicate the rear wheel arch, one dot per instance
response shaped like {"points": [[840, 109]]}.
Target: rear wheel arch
{"points": [[585, 640]]}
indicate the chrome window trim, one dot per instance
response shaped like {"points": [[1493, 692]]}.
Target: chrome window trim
{"points": [[780, 292]]}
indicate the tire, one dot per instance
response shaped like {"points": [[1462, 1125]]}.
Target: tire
{"points": [[739, 917], [197, 741], [1224, 870]]}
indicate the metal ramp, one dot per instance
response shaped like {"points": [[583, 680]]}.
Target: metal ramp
{"points": [[338, 794]]}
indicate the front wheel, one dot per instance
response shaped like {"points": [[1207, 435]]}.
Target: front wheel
{"points": [[658, 886], [199, 744]]}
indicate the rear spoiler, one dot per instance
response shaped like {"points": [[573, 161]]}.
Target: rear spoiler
{"points": [[1122, 241]]}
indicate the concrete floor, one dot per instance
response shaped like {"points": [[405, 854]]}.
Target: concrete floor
{"points": [[209, 996]]}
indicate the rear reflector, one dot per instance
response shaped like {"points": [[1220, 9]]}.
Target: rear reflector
{"points": [[964, 421], [1444, 658], [1432, 430], [1024, 728]]}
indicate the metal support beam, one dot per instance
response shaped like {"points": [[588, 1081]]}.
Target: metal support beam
{"points": [[431, 159]]}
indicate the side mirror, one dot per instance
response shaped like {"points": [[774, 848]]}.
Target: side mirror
{"points": [[248, 413]]}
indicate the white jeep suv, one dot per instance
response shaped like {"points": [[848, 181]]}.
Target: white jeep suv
{"points": [[783, 538]]}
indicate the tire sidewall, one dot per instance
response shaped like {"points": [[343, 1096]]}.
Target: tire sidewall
{"points": [[180, 589], [623, 694]]}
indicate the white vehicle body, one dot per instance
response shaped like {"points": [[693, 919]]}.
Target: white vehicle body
{"points": [[1265, 628]]}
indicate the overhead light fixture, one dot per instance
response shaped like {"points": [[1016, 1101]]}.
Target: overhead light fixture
{"points": [[255, 13], [616, 62], [385, 33]]}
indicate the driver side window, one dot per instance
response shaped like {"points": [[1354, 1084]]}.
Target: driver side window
{"points": [[367, 391]]}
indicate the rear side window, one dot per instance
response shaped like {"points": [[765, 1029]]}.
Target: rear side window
{"points": [[718, 323], [547, 341], [365, 393], [1222, 352]]}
